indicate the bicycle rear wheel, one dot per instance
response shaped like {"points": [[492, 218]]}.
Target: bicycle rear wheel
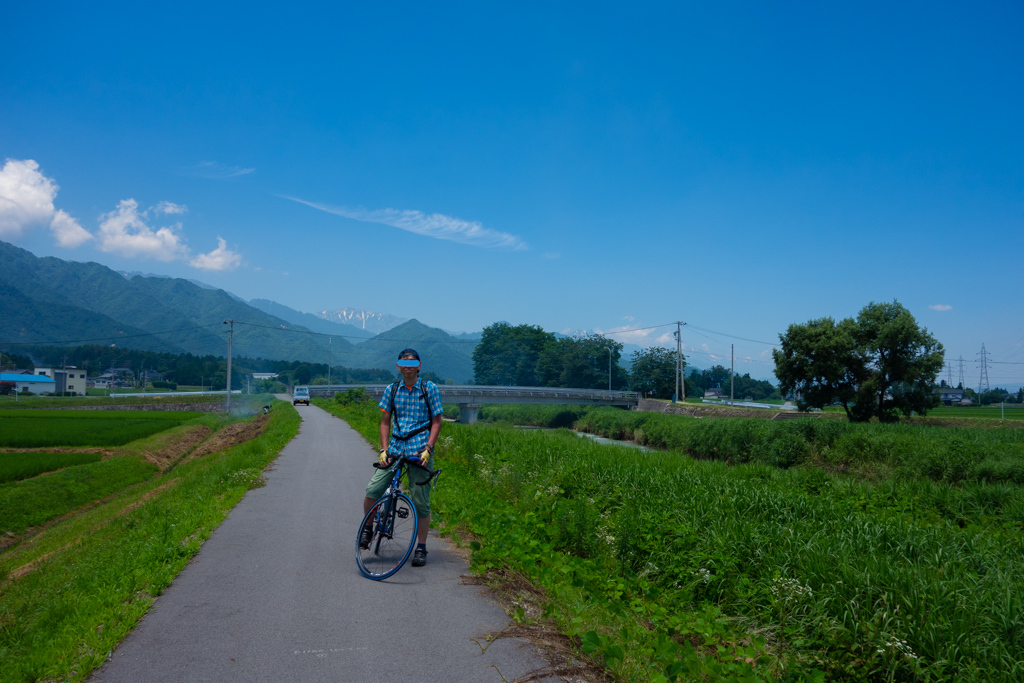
{"points": [[394, 523]]}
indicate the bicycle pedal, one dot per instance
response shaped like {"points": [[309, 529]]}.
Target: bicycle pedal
{"points": [[403, 513]]}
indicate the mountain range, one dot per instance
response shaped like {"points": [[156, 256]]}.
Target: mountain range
{"points": [[374, 323], [49, 301]]}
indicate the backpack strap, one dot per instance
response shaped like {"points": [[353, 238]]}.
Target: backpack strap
{"points": [[418, 430]]}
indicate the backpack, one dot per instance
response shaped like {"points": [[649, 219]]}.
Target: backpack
{"points": [[418, 430]]}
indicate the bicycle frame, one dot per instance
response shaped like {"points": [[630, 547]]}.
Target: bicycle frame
{"points": [[386, 553]]}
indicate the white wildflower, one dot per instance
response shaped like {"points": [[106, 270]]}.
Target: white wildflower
{"points": [[703, 575]]}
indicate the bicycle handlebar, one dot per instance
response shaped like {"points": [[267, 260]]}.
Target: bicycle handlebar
{"points": [[406, 460]]}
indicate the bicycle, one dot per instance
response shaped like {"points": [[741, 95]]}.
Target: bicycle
{"points": [[394, 523]]}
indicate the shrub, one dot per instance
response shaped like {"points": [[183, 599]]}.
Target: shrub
{"points": [[353, 395]]}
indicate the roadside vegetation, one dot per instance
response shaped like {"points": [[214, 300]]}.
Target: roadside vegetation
{"points": [[88, 544], [16, 466], [869, 556]]}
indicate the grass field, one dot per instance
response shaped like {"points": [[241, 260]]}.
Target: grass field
{"points": [[101, 541], [1010, 411], [31, 502], [28, 428], [29, 402], [16, 466], [664, 567]]}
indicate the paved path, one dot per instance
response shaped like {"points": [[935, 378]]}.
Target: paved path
{"points": [[275, 595]]}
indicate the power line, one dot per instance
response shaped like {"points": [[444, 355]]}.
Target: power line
{"points": [[637, 329], [123, 336], [732, 336]]}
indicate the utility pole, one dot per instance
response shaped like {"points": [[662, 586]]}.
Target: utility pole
{"points": [[680, 377], [609, 368], [732, 372], [330, 350], [231, 334]]}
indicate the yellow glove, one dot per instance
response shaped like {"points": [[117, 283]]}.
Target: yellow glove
{"points": [[383, 459], [425, 455]]}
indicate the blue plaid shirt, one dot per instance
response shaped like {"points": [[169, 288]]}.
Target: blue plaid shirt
{"points": [[412, 414]]}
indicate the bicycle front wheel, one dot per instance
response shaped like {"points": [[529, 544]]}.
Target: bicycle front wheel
{"points": [[394, 523]]}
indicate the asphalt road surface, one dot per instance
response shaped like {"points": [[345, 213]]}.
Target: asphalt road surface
{"points": [[275, 595]]}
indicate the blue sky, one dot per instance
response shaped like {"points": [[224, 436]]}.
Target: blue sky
{"points": [[739, 166]]}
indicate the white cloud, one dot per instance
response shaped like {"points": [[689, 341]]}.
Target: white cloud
{"points": [[170, 207], [67, 232], [124, 231], [218, 171], [627, 335], [941, 307], [434, 225], [220, 258], [26, 201]]}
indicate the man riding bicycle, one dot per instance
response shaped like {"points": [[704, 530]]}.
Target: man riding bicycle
{"points": [[415, 407]]}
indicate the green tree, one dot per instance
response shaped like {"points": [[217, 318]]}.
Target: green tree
{"points": [[507, 355], [756, 389], [13, 361], [654, 372], [819, 362], [582, 362], [996, 395], [903, 361], [302, 374], [880, 365]]}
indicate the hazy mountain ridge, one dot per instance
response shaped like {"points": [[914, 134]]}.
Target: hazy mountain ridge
{"points": [[313, 322], [364, 320]]}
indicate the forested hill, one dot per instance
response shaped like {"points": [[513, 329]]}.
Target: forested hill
{"points": [[442, 353], [46, 301]]}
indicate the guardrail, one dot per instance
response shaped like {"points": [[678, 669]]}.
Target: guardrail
{"points": [[178, 393]]}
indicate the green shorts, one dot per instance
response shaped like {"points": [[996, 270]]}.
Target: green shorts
{"points": [[420, 495]]}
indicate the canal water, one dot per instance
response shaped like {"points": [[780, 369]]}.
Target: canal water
{"points": [[595, 438]]}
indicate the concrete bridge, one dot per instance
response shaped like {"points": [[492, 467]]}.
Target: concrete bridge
{"points": [[469, 398]]}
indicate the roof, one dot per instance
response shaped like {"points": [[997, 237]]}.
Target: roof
{"points": [[11, 377]]}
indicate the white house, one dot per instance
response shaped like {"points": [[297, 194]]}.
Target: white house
{"points": [[69, 380]]}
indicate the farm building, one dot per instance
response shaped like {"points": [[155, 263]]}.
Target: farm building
{"points": [[36, 384], [68, 379], [951, 396]]}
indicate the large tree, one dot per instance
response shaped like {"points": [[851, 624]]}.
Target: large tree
{"points": [[654, 372], [903, 361], [507, 355], [880, 365], [582, 362], [820, 364]]}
